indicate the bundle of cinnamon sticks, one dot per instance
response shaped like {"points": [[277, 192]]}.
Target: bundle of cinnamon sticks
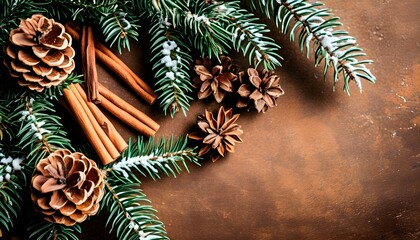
{"points": [[101, 133]]}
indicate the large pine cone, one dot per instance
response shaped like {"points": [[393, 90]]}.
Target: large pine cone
{"points": [[218, 135], [67, 187], [39, 53]]}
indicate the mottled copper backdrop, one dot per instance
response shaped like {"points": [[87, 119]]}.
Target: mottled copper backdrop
{"points": [[321, 165]]}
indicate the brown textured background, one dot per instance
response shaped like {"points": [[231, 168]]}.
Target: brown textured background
{"points": [[321, 165]]}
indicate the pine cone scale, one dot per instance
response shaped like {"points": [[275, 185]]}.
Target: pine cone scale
{"points": [[57, 201], [23, 40], [28, 58], [40, 51], [19, 67], [68, 209]]}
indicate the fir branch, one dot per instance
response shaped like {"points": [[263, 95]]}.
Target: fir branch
{"points": [[129, 213], [206, 33], [316, 24], [13, 176], [248, 36], [41, 229], [171, 60], [114, 18], [40, 131], [83, 10], [118, 27], [5, 122], [151, 157], [164, 8]]}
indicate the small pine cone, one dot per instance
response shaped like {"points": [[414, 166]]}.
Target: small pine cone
{"points": [[216, 80], [67, 187], [39, 53], [257, 92], [217, 135]]}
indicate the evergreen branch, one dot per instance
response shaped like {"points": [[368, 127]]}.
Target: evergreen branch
{"points": [[248, 36], [40, 130], [41, 229], [313, 23], [118, 27], [82, 10], [115, 20], [206, 33], [171, 60], [5, 121], [150, 157], [129, 213], [13, 176], [164, 8]]}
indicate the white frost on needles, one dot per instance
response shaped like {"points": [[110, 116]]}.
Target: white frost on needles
{"points": [[126, 163], [8, 166], [137, 228], [36, 126], [171, 60]]}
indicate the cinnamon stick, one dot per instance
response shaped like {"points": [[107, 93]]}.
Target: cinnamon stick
{"points": [[120, 70], [112, 150], [128, 107], [139, 81], [91, 72], [86, 126], [125, 76], [126, 117], [104, 122], [83, 42]]}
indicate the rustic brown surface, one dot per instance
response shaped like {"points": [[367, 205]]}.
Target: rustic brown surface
{"points": [[321, 165]]}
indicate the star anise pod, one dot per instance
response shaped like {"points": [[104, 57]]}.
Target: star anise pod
{"points": [[218, 135], [216, 80], [262, 92]]}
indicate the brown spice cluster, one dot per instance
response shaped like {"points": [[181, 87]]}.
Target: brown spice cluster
{"points": [[214, 79], [218, 135], [258, 92], [67, 187], [39, 53]]}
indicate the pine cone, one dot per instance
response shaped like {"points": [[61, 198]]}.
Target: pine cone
{"points": [[219, 135], [262, 92], [39, 53], [67, 187], [214, 79]]}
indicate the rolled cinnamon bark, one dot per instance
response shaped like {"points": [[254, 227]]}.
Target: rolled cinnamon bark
{"points": [[104, 122], [125, 76], [120, 69], [86, 126], [126, 117], [106, 141], [139, 81], [90, 71], [121, 103]]}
